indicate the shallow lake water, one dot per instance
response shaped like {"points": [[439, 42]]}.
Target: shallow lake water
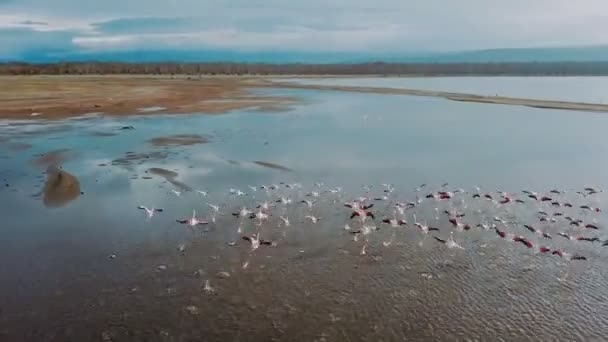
{"points": [[95, 268]]}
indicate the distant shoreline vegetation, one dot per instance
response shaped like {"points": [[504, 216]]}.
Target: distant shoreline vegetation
{"points": [[256, 69]]}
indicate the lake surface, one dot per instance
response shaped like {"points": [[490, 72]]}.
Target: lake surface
{"points": [[95, 268], [575, 89]]}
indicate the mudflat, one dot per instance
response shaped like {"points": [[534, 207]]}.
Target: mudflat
{"points": [[55, 97]]}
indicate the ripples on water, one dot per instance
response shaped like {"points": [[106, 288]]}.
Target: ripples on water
{"points": [[58, 281]]}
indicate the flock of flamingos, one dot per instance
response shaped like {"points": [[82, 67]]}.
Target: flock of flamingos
{"points": [[549, 223]]}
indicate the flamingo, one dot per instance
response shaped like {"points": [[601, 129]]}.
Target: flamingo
{"points": [[285, 221], [313, 219], [150, 211], [449, 243], [193, 221]]}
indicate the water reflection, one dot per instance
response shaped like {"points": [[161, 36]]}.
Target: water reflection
{"points": [[54, 157]]}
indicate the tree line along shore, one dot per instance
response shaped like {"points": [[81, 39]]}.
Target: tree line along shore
{"points": [[376, 68]]}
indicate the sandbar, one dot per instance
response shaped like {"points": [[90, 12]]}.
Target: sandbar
{"points": [[463, 97], [60, 187], [169, 176], [272, 165], [178, 140]]}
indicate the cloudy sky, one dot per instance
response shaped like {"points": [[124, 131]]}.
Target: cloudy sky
{"points": [[379, 27]]}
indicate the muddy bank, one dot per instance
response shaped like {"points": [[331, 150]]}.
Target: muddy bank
{"points": [[272, 166], [169, 176], [131, 158], [178, 140], [102, 134], [56, 97], [163, 172], [60, 187]]}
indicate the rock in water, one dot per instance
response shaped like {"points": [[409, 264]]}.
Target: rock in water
{"points": [[60, 188]]}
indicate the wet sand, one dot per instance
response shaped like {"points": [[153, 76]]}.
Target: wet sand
{"points": [[169, 176], [56, 97], [103, 134], [178, 140], [60, 188], [464, 97], [137, 158], [272, 166]]}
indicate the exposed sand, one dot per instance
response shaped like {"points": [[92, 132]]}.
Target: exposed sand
{"points": [[138, 158], [163, 172], [272, 166], [178, 140], [103, 134], [169, 176], [54, 97], [547, 104], [60, 188]]}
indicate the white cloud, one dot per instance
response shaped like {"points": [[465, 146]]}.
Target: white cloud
{"points": [[283, 39], [44, 24], [313, 25]]}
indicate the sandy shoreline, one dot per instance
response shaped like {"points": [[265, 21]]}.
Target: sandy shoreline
{"points": [[57, 97]]}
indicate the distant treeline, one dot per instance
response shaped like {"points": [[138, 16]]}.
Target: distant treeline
{"points": [[378, 68]]}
